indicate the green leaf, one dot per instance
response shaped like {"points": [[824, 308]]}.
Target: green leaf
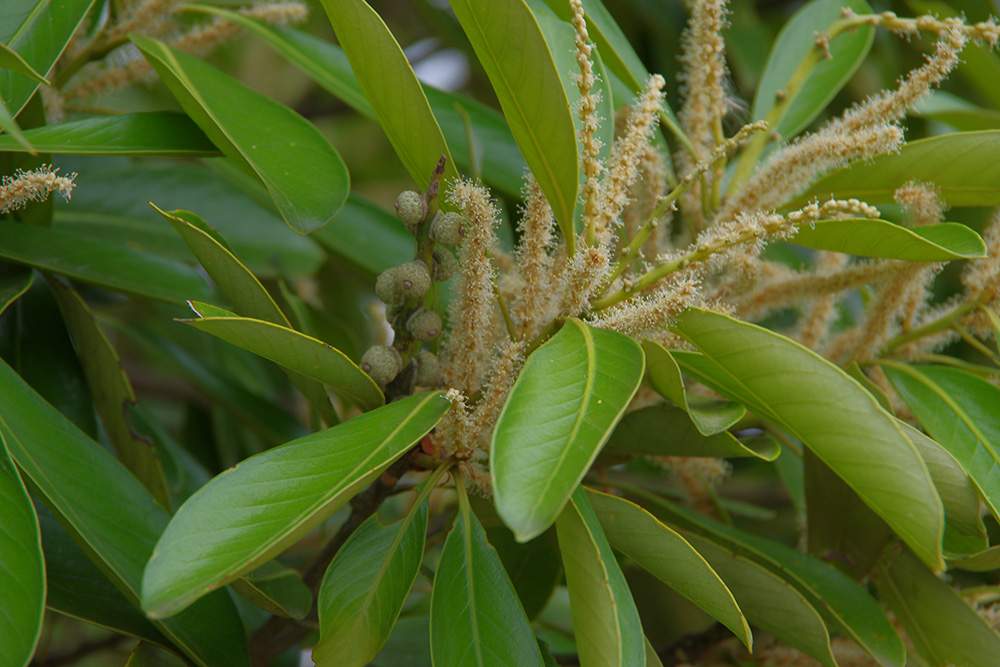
{"points": [[662, 552], [246, 293], [770, 603], [14, 134], [110, 514], [825, 79], [276, 589], [880, 238], [828, 411], [476, 618], [221, 532], [291, 349], [663, 430], [564, 405], [155, 133], [605, 620], [959, 410], [117, 268], [12, 60], [957, 112], [22, 575], [709, 416], [366, 235], [961, 166], [391, 88], [149, 655], [111, 390], [15, 281], [38, 30], [986, 560], [365, 587], [842, 602], [942, 626], [304, 174], [512, 49], [533, 567]]}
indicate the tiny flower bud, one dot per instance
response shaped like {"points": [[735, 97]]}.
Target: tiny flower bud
{"points": [[411, 209], [387, 286], [424, 325], [428, 369], [445, 265], [382, 363], [448, 228], [412, 279]]}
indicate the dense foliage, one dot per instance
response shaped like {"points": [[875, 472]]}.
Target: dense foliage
{"points": [[609, 386]]}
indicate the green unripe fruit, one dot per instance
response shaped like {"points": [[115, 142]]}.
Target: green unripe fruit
{"points": [[382, 363], [424, 325], [428, 369], [412, 279], [411, 209], [445, 265], [387, 286], [448, 229]]}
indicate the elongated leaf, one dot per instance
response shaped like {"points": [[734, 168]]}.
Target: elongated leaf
{"points": [[828, 411], [275, 589], [303, 173], [957, 112], [984, 561], [880, 238], [564, 405], [663, 430], [605, 620], [116, 268], [22, 573], [798, 36], [366, 235], [662, 552], [476, 618], [155, 133], [771, 604], [533, 567], [13, 284], [38, 30], [150, 655], [709, 416], [111, 390], [959, 410], [390, 86], [295, 351], [964, 532], [250, 513], [961, 166], [512, 49], [110, 513], [12, 60], [942, 626], [365, 587], [13, 131]]}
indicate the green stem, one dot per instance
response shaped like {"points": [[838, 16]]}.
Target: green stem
{"points": [[931, 328], [508, 322]]}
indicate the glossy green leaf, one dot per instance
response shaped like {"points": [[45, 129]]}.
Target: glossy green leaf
{"points": [[825, 79], [111, 514], [267, 139], [854, 370], [984, 561], [366, 235], [12, 60], [964, 532], [156, 133], [250, 513], [605, 620], [709, 416], [150, 655], [961, 166], [563, 407], [38, 30], [663, 430], [942, 626], [15, 281], [111, 390], [476, 618], [842, 602], [390, 86], [533, 567], [959, 410], [957, 112], [828, 411], [365, 587], [664, 553], [117, 268], [293, 350], [14, 135], [246, 294], [880, 238], [22, 574], [770, 603], [276, 589], [511, 48]]}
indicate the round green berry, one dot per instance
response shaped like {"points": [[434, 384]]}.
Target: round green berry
{"points": [[387, 286], [411, 209], [382, 363], [445, 265], [428, 369], [448, 229], [424, 325], [412, 279]]}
